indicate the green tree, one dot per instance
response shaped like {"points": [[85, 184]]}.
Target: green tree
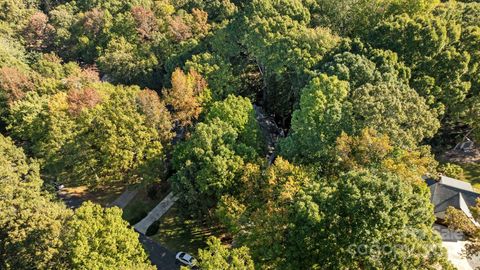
{"points": [[98, 238], [124, 62], [458, 221], [372, 150], [37, 232], [322, 116], [452, 170], [217, 256], [372, 220], [43, 122], [351, 18], [94, 135], [30, 223], [368, 217], [16, 13], [217, 72], [114, 144], [359, 64], [218, 10], [276, 35], [12, 53], [260, 214], [380, 94], [240, 114], [396, 110], [209, 164], [426, 44]]}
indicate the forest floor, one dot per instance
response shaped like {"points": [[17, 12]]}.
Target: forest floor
{"points": [[75, 196]]}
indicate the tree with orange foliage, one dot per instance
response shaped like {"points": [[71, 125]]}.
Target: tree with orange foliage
{"points": [[187, 96], [38, 33], [185, 26], [145, 22], [82, 98], [13, 84], [156, 114], [179, 29]]}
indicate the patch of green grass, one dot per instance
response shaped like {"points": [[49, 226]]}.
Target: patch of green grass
{"points": [[472, 174], [180, 233]]}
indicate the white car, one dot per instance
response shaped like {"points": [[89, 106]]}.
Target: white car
{"points": [[186, 259]]}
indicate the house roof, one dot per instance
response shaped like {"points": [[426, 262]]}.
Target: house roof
{"points": [[455, 183], [454, 193]]}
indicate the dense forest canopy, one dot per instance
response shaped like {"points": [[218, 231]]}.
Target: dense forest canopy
{"points": [[123, 92]]}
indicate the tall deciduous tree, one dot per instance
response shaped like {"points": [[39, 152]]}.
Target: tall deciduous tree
{"points": [[373, 150], [351, 18], [127, 63], [260, 216], [30, 223], [98, 238], [217, 256], [217, 72], [284, 48], [209, 164], [380, 94], [396, 110], [156, 114], [238, 112], [426, 44], [322, 116], [113, 144], [369, 220], [187, 96]]}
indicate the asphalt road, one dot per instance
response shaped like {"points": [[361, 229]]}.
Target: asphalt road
{"points": [[163, 258]]}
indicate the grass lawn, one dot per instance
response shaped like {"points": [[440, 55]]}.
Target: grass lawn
{"points": [[179, 233], [472, 174], [140, 205]]}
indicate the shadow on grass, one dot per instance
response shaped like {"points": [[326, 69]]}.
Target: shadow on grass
{"points": [[141, 205], [180, 233]]}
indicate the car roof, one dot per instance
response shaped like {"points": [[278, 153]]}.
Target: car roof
{"points": [[187, 256]]}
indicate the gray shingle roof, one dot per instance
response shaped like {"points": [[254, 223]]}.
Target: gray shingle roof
{"points": [[444, 195], [455, 183]]}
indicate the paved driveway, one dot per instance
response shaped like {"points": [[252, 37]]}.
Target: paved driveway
{"points": [[163, 258], [455, 243]]}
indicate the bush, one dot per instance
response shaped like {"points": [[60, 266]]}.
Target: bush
{"points": [[452, 170]]}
